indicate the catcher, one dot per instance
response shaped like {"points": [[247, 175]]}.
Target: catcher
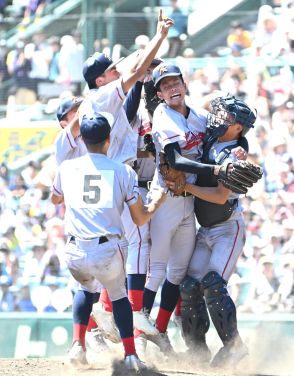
{"points": [[221, 237]]}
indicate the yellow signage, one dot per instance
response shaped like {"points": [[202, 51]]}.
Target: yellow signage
{"points": [[17, 142]]}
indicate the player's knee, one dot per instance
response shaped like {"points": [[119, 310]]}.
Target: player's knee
{"points": [[116, 293], [154, 283], [190, 288], [214, 286], [176, 276]]}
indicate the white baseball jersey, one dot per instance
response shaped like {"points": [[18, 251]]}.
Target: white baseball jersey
{"points": [[68, 147], [95, 189], [170, 126], [110, 98]]}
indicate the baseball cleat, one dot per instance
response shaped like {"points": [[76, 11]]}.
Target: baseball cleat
{"points": [[95, 341], [106, 324], [143, 323], [132, 362], [163, 342], [77, 355], [141, 344], [229, 356], [178, 321]]}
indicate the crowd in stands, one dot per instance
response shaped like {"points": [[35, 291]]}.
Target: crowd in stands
{"points": [[31, 228]]}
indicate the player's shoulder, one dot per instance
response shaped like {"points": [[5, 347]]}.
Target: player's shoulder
{"points": [[70, 164]]}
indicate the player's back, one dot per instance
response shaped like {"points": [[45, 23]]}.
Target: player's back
{"points": [[95, 189]]}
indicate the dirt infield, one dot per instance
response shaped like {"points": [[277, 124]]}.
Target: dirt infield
{"points": [[54, 367]]}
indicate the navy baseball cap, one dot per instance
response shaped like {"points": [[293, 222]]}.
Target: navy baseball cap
{"points": [[96, 65], [96, 128], [66, 105], [165, 70]]}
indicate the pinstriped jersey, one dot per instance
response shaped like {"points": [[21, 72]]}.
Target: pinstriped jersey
{"points": [[95, 189]]}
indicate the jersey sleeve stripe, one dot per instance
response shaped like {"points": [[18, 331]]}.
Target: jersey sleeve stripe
{"points": [[57, 191], [119, 94], [71, 145], [169, 138], [131, 198]]}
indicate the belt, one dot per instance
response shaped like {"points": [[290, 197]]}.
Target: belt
{"points": [[102, 239], [144, 184], [184, 194]]}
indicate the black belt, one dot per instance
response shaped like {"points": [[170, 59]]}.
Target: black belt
{"points": [[102, 239], [184, 194], [144, 184]]}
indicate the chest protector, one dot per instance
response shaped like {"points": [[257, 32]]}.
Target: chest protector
{"points": [[207, 213]]}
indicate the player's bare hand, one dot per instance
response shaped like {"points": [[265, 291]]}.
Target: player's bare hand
{"points": [[172, 185], [240, 153], [163, 24], [158, 196]]}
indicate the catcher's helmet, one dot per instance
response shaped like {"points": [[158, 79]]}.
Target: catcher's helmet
{"points": [[226, 111]]}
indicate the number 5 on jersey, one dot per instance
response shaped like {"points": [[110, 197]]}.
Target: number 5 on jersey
{"points": [[90, 190]]}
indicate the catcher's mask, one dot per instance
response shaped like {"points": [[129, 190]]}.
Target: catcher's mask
{"points": [[226, 111]]}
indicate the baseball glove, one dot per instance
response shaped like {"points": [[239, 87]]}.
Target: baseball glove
{"points": [[241, 177], [169, 173]]}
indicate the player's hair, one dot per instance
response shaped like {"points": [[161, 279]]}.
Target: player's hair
{"points": [[92, 84]]}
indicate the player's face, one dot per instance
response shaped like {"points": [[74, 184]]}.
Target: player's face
{"points": [[172, 91], [68, 117], [232, 132], [110, 75]]}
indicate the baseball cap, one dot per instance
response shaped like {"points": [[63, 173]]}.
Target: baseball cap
{"points": [[96, 128], [96, 65], [66, 105], [165, 70]]}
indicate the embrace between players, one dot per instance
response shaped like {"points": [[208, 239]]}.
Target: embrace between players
{"points": [[124, 224]]}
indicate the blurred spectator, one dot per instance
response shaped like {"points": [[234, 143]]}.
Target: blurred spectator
{"points": [[34, 11], [35, 263], [269, 39], [178, 33], [23, 301], [4, 75], [19, 67], [71, 58], [239, 39], [7, 300], [54, 68]]}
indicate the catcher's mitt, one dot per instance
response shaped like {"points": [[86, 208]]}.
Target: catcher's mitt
{"points": [[169, 173], [241, 177]]}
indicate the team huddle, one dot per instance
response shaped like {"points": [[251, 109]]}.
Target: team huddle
{"points": [[137, 166]]}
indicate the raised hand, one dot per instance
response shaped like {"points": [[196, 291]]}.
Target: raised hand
{"points": [[163, 24]]}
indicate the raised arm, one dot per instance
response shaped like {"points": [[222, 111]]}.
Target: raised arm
{"points": [[145, 57], [132, 101]]}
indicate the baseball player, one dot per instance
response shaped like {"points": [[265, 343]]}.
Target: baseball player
{"points": [[96, 248], [69, 145], [219, 241], [139, 236], [178, 131], [107, 93]]}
